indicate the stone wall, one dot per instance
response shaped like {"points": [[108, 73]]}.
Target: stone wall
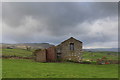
{"points": [[64, 51], [40, 55], [114, 61]]}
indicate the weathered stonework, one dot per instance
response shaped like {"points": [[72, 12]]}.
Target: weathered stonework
{"points": [[65, 53], [40, 55]]}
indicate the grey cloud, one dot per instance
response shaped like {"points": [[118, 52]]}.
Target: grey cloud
{"points": [[58, 21], [58, 14]]}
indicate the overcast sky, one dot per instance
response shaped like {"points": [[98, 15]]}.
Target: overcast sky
{"points": [[93, 23]]}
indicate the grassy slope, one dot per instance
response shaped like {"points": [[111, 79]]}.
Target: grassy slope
{"points": [[19, 68], [16, 52], [89, 55]]}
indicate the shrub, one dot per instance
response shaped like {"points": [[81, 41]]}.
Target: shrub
{"points": [[93, 62], [103, 60], [85, 62]]}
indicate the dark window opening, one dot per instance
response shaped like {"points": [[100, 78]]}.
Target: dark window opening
{"points": [[58, 55], [72, 46]]}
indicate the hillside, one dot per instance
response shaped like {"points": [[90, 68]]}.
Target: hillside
{"points": [[47, 45], [25, 45], [102, 49]]}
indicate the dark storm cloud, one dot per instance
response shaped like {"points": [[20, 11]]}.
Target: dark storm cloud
{"points": [[58, 14], [56, 21]]}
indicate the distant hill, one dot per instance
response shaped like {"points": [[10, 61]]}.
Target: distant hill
{"points": [[25, 45], [102, 49], [47, 45]]}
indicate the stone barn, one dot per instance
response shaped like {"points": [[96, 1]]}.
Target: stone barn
{"points": [[70, 49]]}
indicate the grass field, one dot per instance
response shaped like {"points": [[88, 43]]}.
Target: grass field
{"points": [[0, 68], [23, 68]]}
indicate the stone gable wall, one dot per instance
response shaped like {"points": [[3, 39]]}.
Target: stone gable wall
{"points": [[67, 54]]}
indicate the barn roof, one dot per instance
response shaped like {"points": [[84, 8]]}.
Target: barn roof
{"points": [[69, 39], [73, 38]]}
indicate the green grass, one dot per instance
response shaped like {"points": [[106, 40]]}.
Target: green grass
{"points": [[96, 55], [21, 68], [16, 52], [0, 68]]}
